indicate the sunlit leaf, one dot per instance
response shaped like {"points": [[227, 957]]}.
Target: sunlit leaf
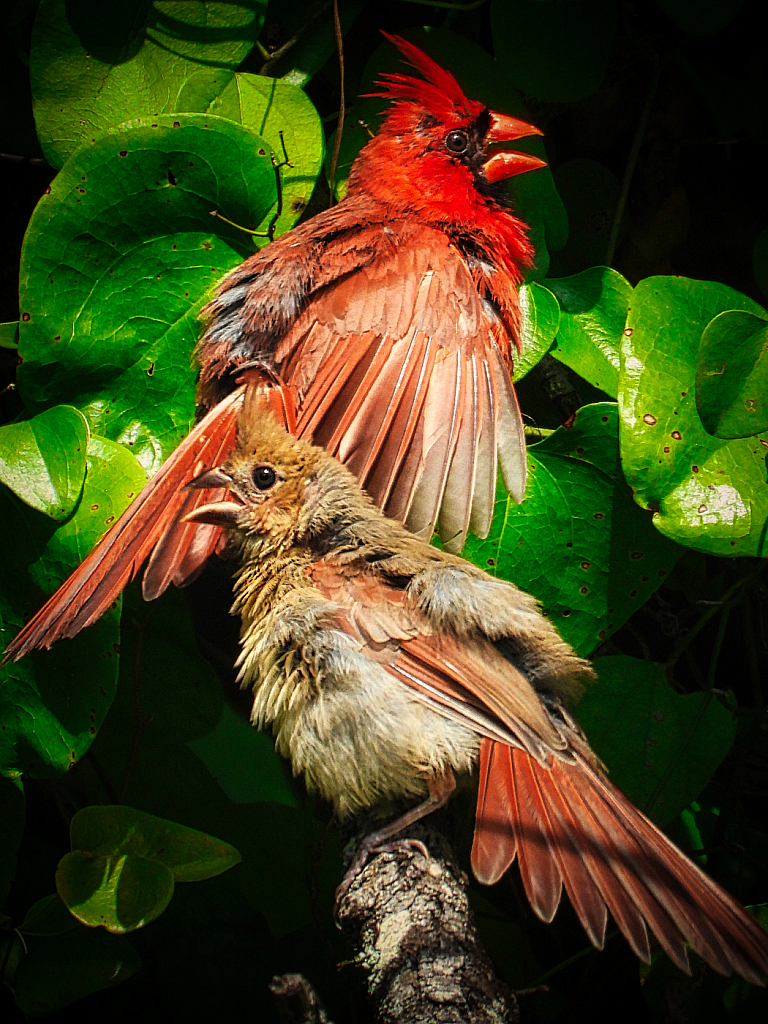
{"points": [[94, 65], [707, 493], [43, 459], [732, 375]]}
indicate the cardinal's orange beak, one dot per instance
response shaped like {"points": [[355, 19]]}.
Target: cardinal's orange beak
{"points": [[504, 163]]}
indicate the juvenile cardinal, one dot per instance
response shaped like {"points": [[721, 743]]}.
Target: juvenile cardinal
{"points": [[384, 665], [392, 318]]}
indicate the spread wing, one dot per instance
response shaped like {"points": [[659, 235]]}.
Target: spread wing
{"points": [[151, 528], [464, 679], [402, 372], [543, 798]]}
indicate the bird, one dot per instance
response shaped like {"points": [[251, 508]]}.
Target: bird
{"points": [[384, 666], [389, 325]]}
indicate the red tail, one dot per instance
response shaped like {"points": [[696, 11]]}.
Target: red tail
{"points": [[569, 826], [151, 528]]}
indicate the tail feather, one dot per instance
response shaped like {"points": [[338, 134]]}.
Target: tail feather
{"points": [[495, 845], [571, 828], [582, 890]]}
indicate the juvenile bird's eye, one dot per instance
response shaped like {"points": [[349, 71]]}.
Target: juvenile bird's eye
{"points": [[264, 477], [456, 142]]}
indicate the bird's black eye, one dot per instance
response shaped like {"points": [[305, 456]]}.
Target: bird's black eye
{"points": [[456, 142], [264, 477]]}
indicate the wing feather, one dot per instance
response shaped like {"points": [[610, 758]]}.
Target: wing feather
{"points": [[484, 496], [122, 551], [542, 798], [510, 432], [400, 374]]}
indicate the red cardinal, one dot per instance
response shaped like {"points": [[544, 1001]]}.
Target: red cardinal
{"points": [[383, 665], [391, 318]]}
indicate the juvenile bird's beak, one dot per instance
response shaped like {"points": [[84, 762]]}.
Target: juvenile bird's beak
{"points": [[504, 163], [210, 478], [217, 513]]}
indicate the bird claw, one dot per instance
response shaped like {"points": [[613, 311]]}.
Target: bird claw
{"points": [[367, 848]]}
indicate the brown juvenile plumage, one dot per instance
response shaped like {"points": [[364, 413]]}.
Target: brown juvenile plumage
{"points": [[383, 665]]}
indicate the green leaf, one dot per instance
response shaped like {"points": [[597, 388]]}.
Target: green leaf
{"points": [[577, 542], [540, 317], [119, 893], [94, 65], [49, 708], [243, 761], [59, 970], [660, 746], [112, 480], [9, 334], [732, 375], [120, 831], [282, 115], [43, 459], [48, 916], [593, 312], [557, 51], [707, 493], [124, 864], [117, 262]]}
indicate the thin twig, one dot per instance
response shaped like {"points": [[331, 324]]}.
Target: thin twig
{"points": [[730, 595], [630, 168], [340, 121], [266, 68], [722, 626]]}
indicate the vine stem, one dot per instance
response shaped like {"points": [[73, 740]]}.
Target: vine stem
{"points": [[629, 170], [713, 610], [340, 121]]}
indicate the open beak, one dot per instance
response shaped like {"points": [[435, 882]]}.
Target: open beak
{"points": [[217, 513], [504, 163]]}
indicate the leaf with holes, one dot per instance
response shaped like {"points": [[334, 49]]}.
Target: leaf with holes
{"points": [[279, 113], [708, 493]]}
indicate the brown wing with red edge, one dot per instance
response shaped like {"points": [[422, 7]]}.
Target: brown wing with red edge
{"points": [[151, 527], [402, 373], [543, 798]]}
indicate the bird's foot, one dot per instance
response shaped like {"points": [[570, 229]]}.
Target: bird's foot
{"points": [[374, 843]]}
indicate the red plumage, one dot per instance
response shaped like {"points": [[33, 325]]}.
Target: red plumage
{"points": [[390, 319], [384, 328]]}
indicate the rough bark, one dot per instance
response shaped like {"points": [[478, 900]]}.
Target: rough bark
{"points": [[296, 1000], [410, 920]]}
